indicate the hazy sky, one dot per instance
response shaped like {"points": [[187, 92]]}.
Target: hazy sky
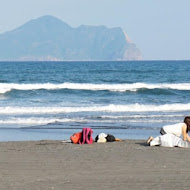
{"points": [[160, 28]]}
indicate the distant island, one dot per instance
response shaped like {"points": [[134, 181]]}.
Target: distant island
{"points": [[50, 39]]}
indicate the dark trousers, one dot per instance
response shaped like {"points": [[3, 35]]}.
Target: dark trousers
{"points": [[162, 132]]}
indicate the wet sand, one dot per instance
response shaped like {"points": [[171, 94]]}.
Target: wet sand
{"points": [[130, 164]]}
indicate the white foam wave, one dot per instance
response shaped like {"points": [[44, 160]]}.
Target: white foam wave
{"points": [[6, 87], [139, 116], [39, 121], [44, 121], [109, 108]]}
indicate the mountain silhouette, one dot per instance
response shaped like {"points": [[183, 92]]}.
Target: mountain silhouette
{"points": [[48, 39]]}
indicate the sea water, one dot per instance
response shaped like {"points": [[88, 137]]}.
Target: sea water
{"points": [[129, 99]]}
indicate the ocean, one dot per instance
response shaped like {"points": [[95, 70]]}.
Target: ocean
{"points": [[129, 99]]}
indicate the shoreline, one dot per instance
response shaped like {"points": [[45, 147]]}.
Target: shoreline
{"points": [[129, 164], [20, 134]]}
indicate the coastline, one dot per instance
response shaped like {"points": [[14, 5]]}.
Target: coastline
{"points": [[33, 134], [129, 164]]}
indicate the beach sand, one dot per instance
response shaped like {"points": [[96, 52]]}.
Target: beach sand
{"points": [[130, 164]]}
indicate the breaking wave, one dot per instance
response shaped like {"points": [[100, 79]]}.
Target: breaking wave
{"points": [[6, 87], [39, 121], [109, 108], [110, 119]]}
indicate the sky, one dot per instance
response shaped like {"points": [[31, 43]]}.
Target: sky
{"points": [[159, 28]]}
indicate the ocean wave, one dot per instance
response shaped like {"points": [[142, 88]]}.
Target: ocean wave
{"points": [[39, 121], [108, 108], [6, 87], [139, 116], [46, 121]]}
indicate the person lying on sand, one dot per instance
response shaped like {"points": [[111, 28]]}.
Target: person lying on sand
{"points": [[102, 138], [170, 134]]}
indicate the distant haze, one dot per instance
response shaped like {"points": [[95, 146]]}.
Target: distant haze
{"points": [[50, 39], [160, 29]]}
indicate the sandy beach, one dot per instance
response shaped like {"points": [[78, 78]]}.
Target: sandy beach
{"points": [[129, 164]]}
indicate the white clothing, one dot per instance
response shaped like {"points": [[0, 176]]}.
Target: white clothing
{"points": [[102, 138], [175, 129], [169, 140], [102, 135]]}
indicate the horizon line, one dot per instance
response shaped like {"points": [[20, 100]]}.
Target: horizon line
{"points": [[1, 61]]}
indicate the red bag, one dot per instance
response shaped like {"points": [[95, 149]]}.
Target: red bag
{"points": [[86, 136], [76, 137]]}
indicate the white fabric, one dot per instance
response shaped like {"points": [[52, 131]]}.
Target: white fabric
{"points": [[184, 144], [169, 140], [101, 140], [175, 129], [155, 142], [102, 135]]}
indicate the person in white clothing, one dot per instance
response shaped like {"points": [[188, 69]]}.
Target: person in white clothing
{"points": [[170, 135]]}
